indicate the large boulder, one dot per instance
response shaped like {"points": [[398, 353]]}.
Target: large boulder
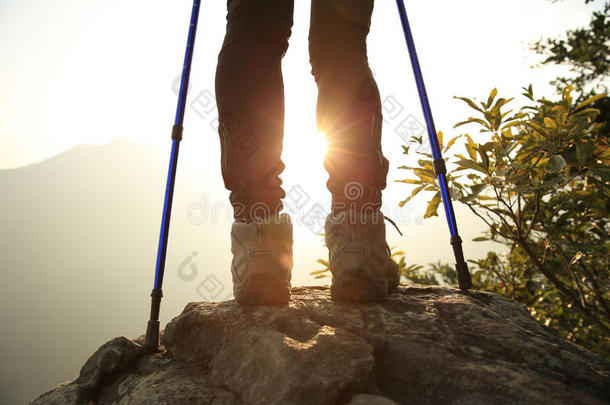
{"points": [[423, 345]]}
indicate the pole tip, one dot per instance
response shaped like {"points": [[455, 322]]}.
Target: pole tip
{"points": [[152, 339], [464, 279]]}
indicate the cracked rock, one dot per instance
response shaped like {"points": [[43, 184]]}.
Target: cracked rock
{"points": [[423, 345]]}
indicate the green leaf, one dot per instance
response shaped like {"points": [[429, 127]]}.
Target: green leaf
{"points": [[471, 148], [432, 209], [529, 92], [488, 147], [492, 96], [451, 142], [590, 111], [538, 128], [426, 175], [417, 190], [478, 188], [556, 163], [508, 149], [581, 155], [475, 121], [601, 171], [426, 164], [480, 239], [469, 164], [470, 103], [455, 193], [484, 159], [408, 181], [511, 124], [550, 123], [502, 102], [590, 100], [413, 194], [576, 257]]}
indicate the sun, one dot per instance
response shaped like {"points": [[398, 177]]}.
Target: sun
{"points": [[305, 149], [303, 154], [310, 145]]}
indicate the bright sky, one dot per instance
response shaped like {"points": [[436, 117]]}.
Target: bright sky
{"points": [[75, 71], [87, 71]]}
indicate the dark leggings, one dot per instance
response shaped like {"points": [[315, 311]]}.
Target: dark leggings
{"points": [[250, 99]]}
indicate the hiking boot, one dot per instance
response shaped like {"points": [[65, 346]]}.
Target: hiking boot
{"points": [[262, 261], [359, 257]]}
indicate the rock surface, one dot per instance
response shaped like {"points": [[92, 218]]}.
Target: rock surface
{"points": [[423, 345]]}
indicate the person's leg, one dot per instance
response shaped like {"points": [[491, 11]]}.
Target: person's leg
{"points": [[349, 105], [349, 113], [250, 99]]}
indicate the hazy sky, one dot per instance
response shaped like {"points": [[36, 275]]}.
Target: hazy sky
{"points": [[84, 71]]}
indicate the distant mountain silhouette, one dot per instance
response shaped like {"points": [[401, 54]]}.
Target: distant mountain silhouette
{"points": [[79, 239]]}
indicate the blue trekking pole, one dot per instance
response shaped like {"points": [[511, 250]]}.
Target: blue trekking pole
{"points": [[152, 330], [464, 280]]}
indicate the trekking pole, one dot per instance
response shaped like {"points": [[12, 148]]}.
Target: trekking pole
{"points": [[464, 280], [152, 330]]}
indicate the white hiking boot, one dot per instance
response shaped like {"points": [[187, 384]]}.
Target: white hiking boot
{"points": [[359, 256], [262, 261]]}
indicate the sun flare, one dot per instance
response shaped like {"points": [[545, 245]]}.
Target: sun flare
{"points": [[305, 150], [303, 155]]}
